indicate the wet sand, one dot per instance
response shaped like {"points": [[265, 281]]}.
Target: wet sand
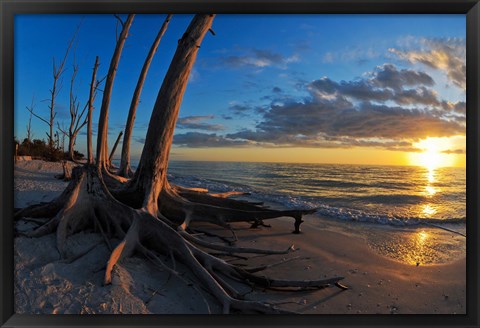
{"points": [[394, 270]]}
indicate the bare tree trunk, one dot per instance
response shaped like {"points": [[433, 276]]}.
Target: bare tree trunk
{"points": [[115, 146], [102, 158], [125, 169], [75, 116], [29, 125], [57, 73], [151, 173], [67, 172], [91, 98], [71, 146], [148, 231]]}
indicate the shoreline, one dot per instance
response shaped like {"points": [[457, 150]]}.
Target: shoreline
{"points": [[378, 283]]}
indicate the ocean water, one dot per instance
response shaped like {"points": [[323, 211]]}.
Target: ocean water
{"points": [[395, 195]]}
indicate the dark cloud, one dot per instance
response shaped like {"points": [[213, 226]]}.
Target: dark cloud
{"points": [[389, 108], [240, 109], [385, 83], [446, 54], [277, 90], [307, 123], [454, 151], [459, 107], [387, 76], [196, 123]]}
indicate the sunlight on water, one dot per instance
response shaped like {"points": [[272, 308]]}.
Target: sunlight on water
{"points": [[367, 193], [419, 247], [428, 210], [430, 191], [431, 175]]}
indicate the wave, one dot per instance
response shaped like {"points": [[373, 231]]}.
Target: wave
{"points": [[324, 210]]}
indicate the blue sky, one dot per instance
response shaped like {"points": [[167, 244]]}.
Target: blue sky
{"points": [[265, 82]]}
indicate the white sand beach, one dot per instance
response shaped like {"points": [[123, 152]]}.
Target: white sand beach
{"points": [[388, 270]]}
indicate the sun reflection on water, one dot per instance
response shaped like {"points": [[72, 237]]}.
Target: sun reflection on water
{"points": [[430, 191], [428, 209], [418, 249], [431, 175]]}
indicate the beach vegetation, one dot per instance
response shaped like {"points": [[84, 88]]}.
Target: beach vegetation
{"points": [[39, 149]]}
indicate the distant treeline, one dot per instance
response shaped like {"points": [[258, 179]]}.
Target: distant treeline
{"points": [[39, 149]]}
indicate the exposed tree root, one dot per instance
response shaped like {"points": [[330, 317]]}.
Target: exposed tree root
{"points": [[149, 235], [216, 200], [183, 206], [226, 211], [88, 204], [48, 210], [150, 216]]}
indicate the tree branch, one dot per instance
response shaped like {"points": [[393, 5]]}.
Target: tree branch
{"points": [[37, 116]]}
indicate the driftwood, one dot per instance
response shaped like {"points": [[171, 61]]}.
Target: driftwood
{"points": [[150, 216]]}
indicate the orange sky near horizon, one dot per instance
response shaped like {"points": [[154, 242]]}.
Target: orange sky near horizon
{"points": [[357, 155]]}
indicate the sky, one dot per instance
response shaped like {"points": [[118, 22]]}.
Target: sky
{"points": [[348, 89]]}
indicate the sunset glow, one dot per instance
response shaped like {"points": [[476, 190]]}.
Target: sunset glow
{"points": [[271, 89], [434, 153]]}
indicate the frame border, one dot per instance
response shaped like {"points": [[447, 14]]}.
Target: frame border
{"points": [[9, 8]]}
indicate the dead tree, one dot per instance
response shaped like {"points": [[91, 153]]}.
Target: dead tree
{"points": [[102, 140], [77, 119], [91, 98], [125, 169], [29, 125], [115, 147], [57, 72], [56, 87], [154, 219], [62, 129]]}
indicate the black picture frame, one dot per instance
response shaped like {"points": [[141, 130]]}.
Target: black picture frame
{"points": [[9, 8]]}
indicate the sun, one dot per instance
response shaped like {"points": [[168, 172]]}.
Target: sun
{"points": [[432, 155]]}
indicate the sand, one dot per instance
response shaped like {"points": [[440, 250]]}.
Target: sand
{"points": [[389, 270]]}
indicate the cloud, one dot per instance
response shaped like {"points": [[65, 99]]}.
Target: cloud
{"points": [[385, 83], [389, 108], [259, 58], [387, 76], [240, 109], [196, 123], [359, 55], [446, 54], [140, 140], [454, 151], [319, 121], [199, 140]]}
